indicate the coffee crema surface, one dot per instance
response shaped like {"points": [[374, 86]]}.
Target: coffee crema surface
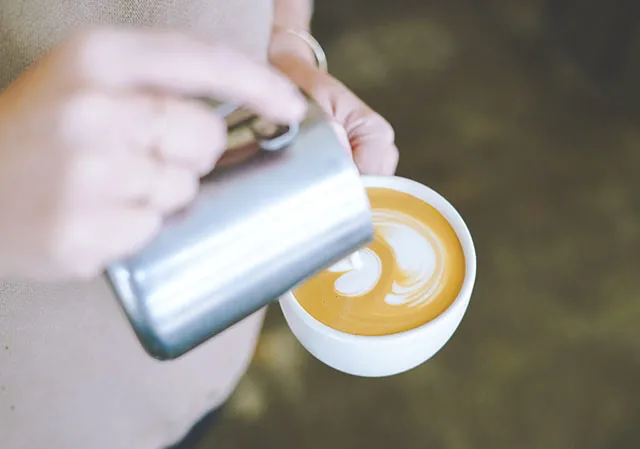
{"points": [[411, 272]]}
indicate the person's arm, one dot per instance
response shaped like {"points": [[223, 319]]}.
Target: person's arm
{"points": [[369, 136], [284, 47], [293, 13]]}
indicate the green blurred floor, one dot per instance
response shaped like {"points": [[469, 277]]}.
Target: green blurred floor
{"points": [[544, 169]]}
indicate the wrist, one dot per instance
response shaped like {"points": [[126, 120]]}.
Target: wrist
{"points": [[287, 48]]}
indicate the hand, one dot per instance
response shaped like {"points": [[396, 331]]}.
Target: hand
{"points": [[365, 133], [104, 137]]}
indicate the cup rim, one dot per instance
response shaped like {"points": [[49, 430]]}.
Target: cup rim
{"points": [[468, 248]]}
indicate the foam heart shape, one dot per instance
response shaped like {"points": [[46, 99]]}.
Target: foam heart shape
{"points": [[358, 282]]}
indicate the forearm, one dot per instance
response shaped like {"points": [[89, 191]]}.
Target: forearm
{"points": [[286, 49], [293, 13]]}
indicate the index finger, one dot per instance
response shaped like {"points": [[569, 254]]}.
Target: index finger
{"points": [[184, 65]]}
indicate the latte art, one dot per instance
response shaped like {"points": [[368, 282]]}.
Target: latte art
{"points": [[410, 273], [417, 252]]}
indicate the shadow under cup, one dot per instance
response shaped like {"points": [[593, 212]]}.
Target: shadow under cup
{"points": [[376, 356]]}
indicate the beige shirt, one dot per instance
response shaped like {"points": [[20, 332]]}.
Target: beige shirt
{"points": [[72, 374]]}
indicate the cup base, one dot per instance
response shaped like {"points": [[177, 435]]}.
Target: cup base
{"points": [[362, 356]]}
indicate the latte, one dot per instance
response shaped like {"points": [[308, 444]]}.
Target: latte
{"points": [[411, 272]]}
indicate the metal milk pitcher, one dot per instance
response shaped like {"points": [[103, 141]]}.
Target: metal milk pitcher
{"points": [[291, 205]]}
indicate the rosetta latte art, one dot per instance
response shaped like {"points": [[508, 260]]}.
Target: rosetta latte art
{"points": [[418, 254], [410, 273]]}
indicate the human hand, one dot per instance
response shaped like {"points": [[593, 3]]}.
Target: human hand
{"points": [[365, 133], [104, 137]]}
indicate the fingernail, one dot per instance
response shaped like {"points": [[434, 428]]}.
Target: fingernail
{"points": [[288, 109]]}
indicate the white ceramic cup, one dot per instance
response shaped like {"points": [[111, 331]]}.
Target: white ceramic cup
{"points": [[395, 353]]}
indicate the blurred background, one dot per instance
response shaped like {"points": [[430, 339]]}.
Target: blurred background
{"points": [[524, 114]]}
